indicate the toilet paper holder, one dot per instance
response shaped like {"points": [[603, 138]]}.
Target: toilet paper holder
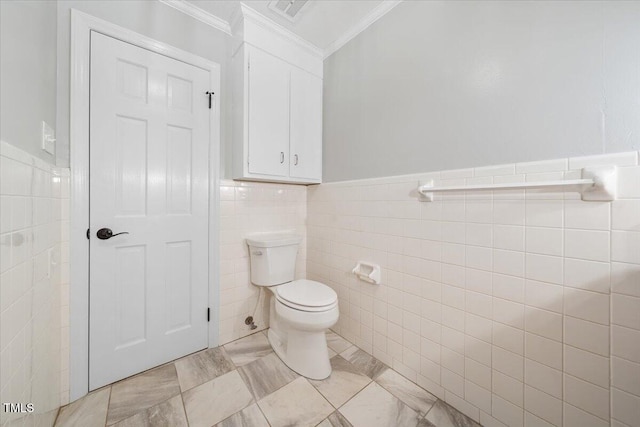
{"points": [[367, 272]]}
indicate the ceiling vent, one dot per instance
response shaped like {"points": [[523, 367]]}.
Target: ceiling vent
{"points": [[287, 8]]}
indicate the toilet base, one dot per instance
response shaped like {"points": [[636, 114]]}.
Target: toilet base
{"points": [[303, 352], [299, 339]]}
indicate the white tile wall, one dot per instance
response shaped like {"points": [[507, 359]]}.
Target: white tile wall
{"points": [[504, 303], [33, 217], [247, 208]]}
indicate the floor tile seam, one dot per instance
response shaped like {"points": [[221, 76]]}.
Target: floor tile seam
{"points": [[227, 357], [184, 409], [400, 399], [332, 405], [245, 364], [140, 411], [433, 406], [253, 401], [247, 386], [263, 414], [83, 397], [224, 346], [321, 395], [106, 415], [155, 368], [389, 367], [255, 360], [359, 369], [393, 395], [356, 370], [351, 398], [424, 417], [377, 376], [251, 389], [55, 420], [209, 380]]}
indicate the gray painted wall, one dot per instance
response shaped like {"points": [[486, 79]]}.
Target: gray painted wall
{"points": [[155, 20], [446, 85], [27, 73]]}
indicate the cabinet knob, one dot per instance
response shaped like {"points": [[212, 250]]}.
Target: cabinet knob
{"points": [[295, 159], [282, 157]]}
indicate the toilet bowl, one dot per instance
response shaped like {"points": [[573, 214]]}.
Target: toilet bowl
{"points": [[300, 310]]}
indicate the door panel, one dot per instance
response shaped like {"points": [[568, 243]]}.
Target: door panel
{"points": [[179, 165], [130, 289], [268, 114], [178, 286], [306, 125], [130, 173], [149, 174]]}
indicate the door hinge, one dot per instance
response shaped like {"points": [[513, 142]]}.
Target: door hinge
{"points": [[210, 95], [208, 314], [88, 234]]}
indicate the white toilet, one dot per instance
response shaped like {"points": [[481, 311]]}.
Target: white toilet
{"points": [[301, 310]]}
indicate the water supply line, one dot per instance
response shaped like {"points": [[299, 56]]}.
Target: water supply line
{"points": [[249, 321]]}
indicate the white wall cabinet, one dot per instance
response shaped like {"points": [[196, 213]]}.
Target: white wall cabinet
{"points": [[268, 133], [305, 137], [277, 119]]}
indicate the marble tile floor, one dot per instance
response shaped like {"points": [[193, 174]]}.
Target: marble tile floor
{"points": [[244, 383]]}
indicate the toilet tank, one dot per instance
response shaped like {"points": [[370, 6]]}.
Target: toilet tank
{"points": [[273, 258]]}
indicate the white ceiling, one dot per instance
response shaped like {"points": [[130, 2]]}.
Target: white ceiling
{"points": [[320, 22]]}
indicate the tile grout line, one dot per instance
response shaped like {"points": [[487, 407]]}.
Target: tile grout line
{"points": [[106, 414], [184, 408]]}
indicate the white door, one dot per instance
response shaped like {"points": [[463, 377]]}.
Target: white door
{"points": [[149, 153], [268, 114], [306, 125]]}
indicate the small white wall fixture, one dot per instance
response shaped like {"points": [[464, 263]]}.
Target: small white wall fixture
{"points": [[598, 183], [82, 25]]}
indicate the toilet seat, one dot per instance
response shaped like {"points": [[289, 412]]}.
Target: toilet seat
{"points": [[306, 295]]}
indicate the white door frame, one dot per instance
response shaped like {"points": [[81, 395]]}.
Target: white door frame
{"points": [[81, 26]]}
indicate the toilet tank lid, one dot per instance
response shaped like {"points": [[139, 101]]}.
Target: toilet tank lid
{"points": [[271, 240]]}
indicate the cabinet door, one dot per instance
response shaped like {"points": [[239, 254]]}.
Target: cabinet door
{"points": [[306, 125], [268, 114]]}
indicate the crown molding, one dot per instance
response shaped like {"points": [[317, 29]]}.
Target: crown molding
{"points": [[259, 19], [248, 13], [377, 13], [199, 14]]}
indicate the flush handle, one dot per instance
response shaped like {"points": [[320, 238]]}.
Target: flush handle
{"points": [[295, 159], [106, 233], [258, 253], [282, 157]]}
